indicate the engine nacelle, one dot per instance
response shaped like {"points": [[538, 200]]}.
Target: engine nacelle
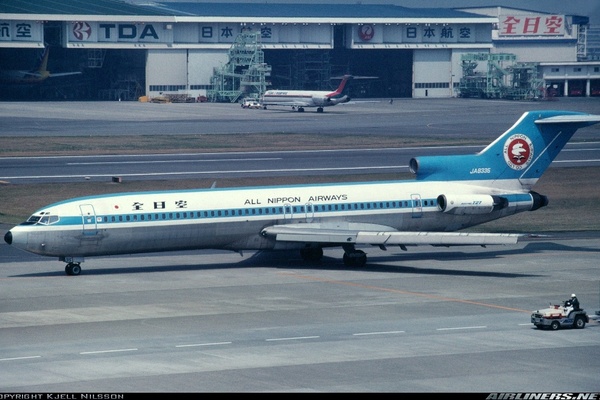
{"points": [[470, 204], [320, 101]]}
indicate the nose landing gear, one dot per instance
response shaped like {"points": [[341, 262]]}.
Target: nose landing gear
{"points": [[73, 266]]}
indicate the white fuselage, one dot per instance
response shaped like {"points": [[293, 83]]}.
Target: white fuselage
{"points": [[234, 218]]}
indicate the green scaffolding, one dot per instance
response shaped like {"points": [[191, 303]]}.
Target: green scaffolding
{"points": [[503, 77], [244, 75]]}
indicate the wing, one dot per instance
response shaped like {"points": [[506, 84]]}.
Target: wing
{"points": [[381, 235], [53, 75]]}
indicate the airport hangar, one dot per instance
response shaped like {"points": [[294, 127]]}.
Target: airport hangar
{"points": [[127, 50]]}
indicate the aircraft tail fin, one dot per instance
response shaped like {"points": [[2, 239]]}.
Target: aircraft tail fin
{"points": [[341, 87], [43, 63], [522, 153]]}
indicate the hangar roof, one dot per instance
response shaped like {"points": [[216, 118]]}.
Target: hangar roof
{"points": [[77, 7], [225, 10], [300, 10]]}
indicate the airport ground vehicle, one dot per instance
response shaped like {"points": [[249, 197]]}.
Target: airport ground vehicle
{"points": [[251, 104], [559, 316]]}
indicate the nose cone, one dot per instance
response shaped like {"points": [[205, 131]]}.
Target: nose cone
{"points": [[8, 237]]}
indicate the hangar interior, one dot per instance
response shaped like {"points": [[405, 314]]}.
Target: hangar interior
{"points": [[127, 50]]}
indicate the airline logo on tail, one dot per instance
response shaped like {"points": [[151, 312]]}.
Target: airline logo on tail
{"points": [[518, 151]]}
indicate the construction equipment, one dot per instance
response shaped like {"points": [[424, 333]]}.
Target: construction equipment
{"points": [[502, 77], [244, 75]]}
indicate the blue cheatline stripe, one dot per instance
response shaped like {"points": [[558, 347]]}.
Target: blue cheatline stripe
{"points": [[251, 212]]}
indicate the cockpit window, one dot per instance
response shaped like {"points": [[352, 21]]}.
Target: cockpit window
{"points": [[48, 219], [32, 220], [44, 219]]}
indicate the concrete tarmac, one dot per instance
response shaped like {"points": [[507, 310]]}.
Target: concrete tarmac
{"points": [[424, 320]]}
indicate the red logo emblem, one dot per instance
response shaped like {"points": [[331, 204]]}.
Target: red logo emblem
{"points": [[366, 32], [518, 151], [82, 30]]}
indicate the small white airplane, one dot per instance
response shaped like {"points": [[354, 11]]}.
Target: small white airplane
{"points": [[449, 194], [299, 99], [38, 74]]}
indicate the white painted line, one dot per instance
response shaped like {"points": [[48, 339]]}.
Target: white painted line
{"points": [[107, 351], [378, 333], [292, 338], [19, 358], [172, 161], [395, 167], [203, 344], [462, 327]]}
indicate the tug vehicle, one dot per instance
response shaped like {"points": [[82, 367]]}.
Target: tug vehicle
{"points": [[559, 316]]}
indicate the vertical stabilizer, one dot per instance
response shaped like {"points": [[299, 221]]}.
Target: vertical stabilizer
{"points": [[522, 153], [43, 64]]}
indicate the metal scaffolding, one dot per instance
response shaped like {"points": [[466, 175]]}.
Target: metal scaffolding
{"points": [[244, 75], [503, 77]]}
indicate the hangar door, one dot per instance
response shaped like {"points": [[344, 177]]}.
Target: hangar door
{"points": [[432, 73], [166, 71]]}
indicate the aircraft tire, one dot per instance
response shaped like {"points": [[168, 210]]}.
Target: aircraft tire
{"points": [[311, 254], [73, 269], [357, 258]]}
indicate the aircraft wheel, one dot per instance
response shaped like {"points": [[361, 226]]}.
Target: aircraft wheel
{"points": [[311, 254], [357, 258], [73, 269], [555, 325]]}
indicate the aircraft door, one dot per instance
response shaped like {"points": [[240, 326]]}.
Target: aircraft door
{"points": [[88, 218], [310, 212], [417, 205], [288, 211]]}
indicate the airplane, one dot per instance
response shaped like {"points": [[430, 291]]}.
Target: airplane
{"points": [[449, 193], [299, 99], [38, 74]]}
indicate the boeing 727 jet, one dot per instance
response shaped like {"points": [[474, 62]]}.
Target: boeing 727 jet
{"points": [[299, 99], [449, 194]]}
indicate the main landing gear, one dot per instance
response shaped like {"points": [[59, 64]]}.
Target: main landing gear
{"points": [[352, 257], [73, 268]]}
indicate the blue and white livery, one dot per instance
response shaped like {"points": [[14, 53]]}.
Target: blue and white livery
{"points": [[449, 194]]}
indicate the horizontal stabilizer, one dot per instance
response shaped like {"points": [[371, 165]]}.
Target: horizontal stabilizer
{"points": [[570, 119]]}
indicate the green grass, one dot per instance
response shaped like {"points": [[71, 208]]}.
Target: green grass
{"points": [[132, 144]]}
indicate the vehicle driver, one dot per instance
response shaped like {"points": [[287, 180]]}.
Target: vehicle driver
{"points": [[572, 302]]}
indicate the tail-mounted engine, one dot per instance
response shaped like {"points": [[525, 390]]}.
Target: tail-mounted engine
{"points": [[470, 204]]}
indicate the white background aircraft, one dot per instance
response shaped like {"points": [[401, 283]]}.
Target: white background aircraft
{"points": [[449, 194], [299, 99]]}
